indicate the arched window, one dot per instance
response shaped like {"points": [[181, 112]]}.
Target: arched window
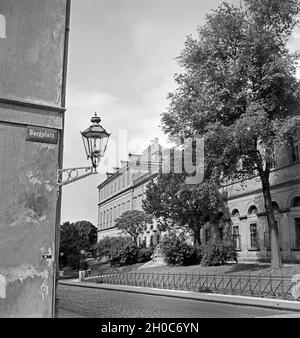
{"points": [[252, 210], [294, 150], [296, 202], [235, 213], [2, 27], [207, 236]]}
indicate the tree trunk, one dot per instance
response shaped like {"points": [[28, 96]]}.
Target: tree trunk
{"points": [[276, 262]]}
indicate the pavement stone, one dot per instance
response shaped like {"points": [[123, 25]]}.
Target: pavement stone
{"points": [[105, 303]]}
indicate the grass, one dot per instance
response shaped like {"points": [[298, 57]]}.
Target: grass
{"points": [[239, 268], [105, 268], [242, 269]]}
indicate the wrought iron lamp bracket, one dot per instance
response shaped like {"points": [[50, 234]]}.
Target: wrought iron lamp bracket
{"points": [[74, 174]]}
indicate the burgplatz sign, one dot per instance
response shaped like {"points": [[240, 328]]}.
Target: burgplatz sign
{"points": [[44, 135]]}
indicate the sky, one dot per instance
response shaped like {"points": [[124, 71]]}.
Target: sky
{"points": [[121, 64]]}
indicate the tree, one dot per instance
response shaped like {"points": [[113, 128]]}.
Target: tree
{"points": [[87, 235], [133, 222], [239, 92], [74, 237], [174, 203], [120, 250]]}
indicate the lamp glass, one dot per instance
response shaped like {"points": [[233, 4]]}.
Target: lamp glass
{"points": [[95, 139]]}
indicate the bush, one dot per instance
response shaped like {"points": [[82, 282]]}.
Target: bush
{"points": [[124, 255], [218, 253], [120, 250], [144, 254], [177, 252]]}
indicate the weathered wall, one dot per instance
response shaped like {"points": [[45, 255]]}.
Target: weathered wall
{"points": [[27, 221], [31, 55], [32, 87]]}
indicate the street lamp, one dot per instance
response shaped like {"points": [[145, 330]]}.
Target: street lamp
{"points": [[95, 139]]}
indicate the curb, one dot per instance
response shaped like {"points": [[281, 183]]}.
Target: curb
{"points": [[279, 304]]}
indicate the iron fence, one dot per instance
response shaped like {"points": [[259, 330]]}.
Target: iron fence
{"points": [[268, 286]]}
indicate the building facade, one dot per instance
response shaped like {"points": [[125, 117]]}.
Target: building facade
{"points": [[124, 190], [248, 220]]}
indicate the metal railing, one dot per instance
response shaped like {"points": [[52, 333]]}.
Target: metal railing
{"points": [[268, 286]]}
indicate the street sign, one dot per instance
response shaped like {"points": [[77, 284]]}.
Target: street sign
{"points": [[39, 134]]}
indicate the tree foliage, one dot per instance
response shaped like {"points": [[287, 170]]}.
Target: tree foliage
{"points": [[122, 250], [133, 222], [218, 253], [177, 251], [239, 91], [74, 237], [174, 203]]}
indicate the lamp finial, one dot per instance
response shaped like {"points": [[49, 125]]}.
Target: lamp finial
{"points": [[96, 119]]}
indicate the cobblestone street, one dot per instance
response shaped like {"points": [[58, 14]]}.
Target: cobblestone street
{"points": [[96, 303]]}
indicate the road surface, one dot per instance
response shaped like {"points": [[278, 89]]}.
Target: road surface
{"points": [[97, 303]]}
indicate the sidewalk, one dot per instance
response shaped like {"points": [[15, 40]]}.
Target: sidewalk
{"points": [[62, 313], [209, 297]]}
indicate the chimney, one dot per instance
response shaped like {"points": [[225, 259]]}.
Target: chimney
{"points": [[123, 163], [108, 175]]}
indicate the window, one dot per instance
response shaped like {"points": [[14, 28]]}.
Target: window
{"points": [[253, 236], [296, 202], [151, 240], [100, 220], [294, 151], [134, 203], [2, 27], [297, 233], [252, 210], [235, 213], [267, 241], [207, 235], [236, 237], [272, 159], [140, 198]]}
